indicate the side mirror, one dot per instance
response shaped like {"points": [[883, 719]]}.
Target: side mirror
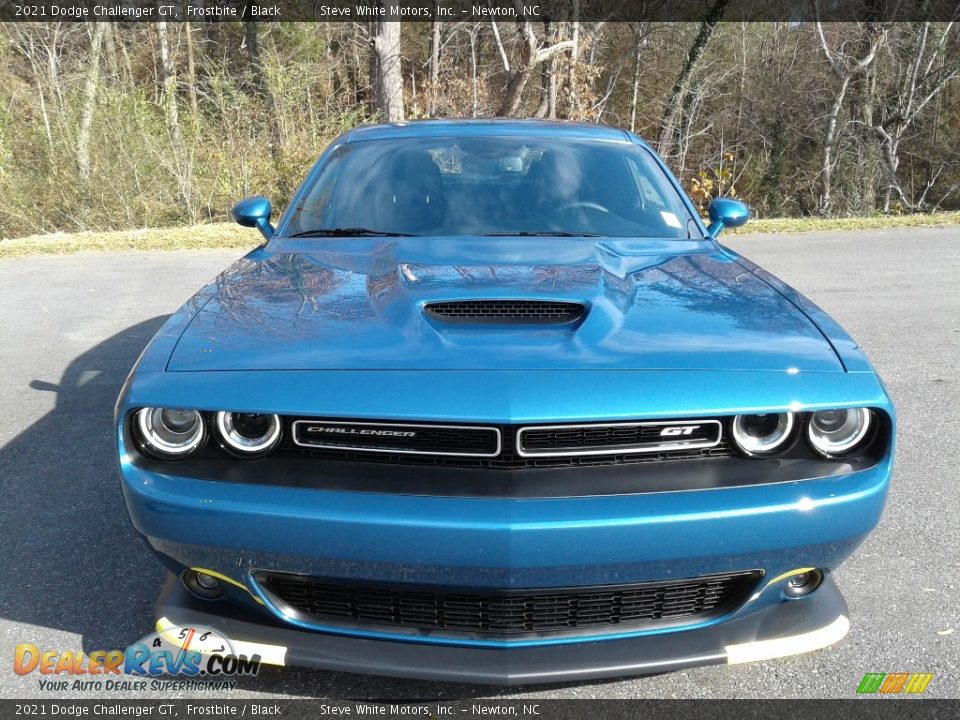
{"points": [[255, 212], [725, 213]]}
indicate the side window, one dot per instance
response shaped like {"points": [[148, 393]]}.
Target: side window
{"points": [[316, 202]]}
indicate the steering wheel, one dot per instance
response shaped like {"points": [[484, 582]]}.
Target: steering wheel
{"points": [[576, 205]]}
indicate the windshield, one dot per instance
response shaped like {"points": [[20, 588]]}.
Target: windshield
{"points": [[492, 186]]}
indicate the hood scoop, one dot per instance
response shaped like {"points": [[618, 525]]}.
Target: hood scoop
{"points": [[506, 311]]}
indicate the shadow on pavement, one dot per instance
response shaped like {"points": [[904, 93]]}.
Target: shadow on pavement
{"points": [[75, 563]]}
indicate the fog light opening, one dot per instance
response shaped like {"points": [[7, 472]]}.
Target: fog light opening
{"points": [[203, 586], [207, 582], [802, 584]]}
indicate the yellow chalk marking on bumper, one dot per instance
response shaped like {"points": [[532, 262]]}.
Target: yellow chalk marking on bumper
{"points": [[269, 654], [226, 579], [785, 575], [790, 645]]}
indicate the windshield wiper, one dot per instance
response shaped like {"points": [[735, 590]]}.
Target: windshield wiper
{"points": [[542, 233], [349, 232]]}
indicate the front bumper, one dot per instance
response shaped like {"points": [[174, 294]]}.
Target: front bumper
{"points": [[233, 530], [783, 629]]}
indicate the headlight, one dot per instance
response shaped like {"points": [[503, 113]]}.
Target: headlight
{"points": [[248, 434], [762, 434], [835, 432], [169, 433]]}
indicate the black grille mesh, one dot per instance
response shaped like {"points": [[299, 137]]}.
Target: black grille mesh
{"points": [[508, 459], [511, 612], [437, 439], [586, 437], [520, 311]]}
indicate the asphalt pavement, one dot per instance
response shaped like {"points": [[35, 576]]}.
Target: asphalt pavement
{"points": [[73, 575]]}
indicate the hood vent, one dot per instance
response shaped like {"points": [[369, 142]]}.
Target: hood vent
{"points": [[506, 311]]}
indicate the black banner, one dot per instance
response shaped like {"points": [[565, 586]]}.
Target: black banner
{"points": [[476, 10], [530, 709]]}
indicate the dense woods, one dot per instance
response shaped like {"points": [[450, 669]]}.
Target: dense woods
{"points": [[115, 125]]}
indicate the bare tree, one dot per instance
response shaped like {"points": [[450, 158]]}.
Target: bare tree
{"points": [[640, 40], [191, 68], [388, 76], [681, 88], [845, 68], [531, 55], [434, 67], [91, 84], [182, 167], [927, 59]]}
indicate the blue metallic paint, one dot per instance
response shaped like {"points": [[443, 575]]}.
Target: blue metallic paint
{"points": [[649, 308], [726, 213], [678, 329], [255, 212]]}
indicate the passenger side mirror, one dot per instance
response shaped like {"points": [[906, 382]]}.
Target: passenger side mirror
{"points": [[255, 212], [725, 213]]}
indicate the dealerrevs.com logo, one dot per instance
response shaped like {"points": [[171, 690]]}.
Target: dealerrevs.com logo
{"points": [[196, 656]]}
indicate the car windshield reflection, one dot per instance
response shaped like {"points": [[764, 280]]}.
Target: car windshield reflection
{"points": [[492, 186]]}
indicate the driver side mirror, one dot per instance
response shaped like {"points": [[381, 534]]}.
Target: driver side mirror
{"points": [[725, 213], [255, 212]]}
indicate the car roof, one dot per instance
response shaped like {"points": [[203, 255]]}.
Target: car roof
{"points": [[486, 127]]}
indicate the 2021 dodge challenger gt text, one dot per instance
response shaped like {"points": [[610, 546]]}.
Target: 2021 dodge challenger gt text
{"points": [[492, 404]]}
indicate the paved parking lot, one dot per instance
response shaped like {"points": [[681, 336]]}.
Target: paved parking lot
{"points": [[74, 576]]}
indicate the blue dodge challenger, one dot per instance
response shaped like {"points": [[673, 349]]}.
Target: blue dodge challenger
{"points": [[492, 404]]}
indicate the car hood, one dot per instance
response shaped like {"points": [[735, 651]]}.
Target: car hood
{"points": [[349, 304]]}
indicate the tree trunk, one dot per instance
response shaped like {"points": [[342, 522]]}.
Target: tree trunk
{"points": [[434, 66], [171, 110], [191, 68], [675, 103], [826, 169], [473, 71], [110, 43], [546, 80], [388, 77], [46, 121], [635, 90], [91, 84], [172, 114], [574, 97]]}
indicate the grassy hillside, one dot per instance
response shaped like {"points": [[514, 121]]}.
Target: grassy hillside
{"points": [[228, 235]]}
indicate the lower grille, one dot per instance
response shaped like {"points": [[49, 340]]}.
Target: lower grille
{"points": [[509, 612]]}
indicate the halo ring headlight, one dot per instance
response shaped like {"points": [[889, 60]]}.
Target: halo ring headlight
{"points": [[248, 434], [169, 432], [762, 433], [836, 432]]}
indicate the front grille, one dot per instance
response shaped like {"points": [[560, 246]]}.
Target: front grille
{"points": [[508, 459], [499, 311], [507, 447], [509, 612], [398, 438], [615, 438]]}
